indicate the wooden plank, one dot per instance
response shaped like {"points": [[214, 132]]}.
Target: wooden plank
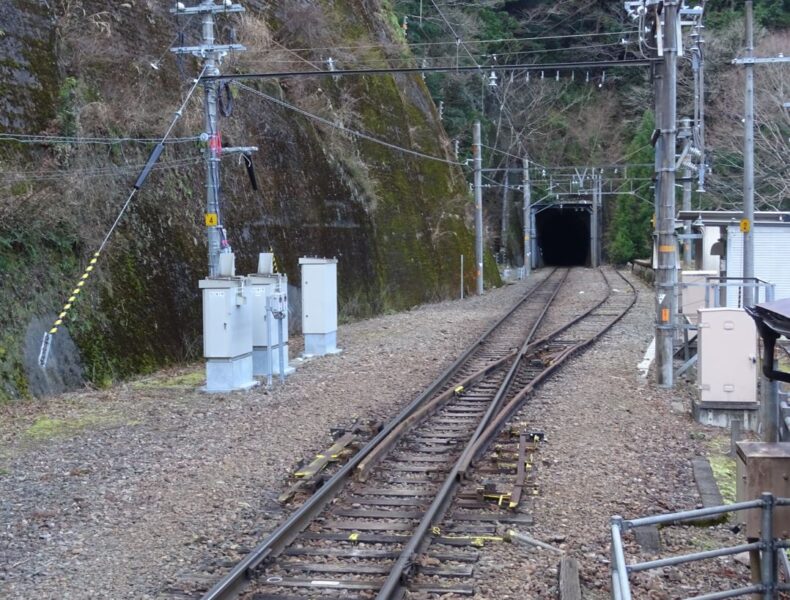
{"points": [[408, 492], [321, 460], [425, 458], [521, 471], [412, 468], [373, 501], [342, 553], [516, 519], [336, 568], [356, 538], [361, 513], [570, 589], [447, 571], [337, 584], [460, 590], [366, 526]]}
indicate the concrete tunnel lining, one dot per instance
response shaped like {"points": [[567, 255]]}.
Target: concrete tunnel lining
{"points": [[563, 235]]}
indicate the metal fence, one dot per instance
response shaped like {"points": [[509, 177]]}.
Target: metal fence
{"points": [[771, 550]]}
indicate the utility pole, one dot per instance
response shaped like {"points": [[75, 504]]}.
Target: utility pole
{"points": [[666, 271], [478, 158], [748, 164], [527, 220], [686, 134], [212, 55], [228, 350], [596, 191], [698, 67], [503, 249]]}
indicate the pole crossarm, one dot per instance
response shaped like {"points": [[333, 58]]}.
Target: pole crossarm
{"points": [[203, 51], [761, 60]]}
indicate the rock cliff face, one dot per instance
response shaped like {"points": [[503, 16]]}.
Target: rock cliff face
{"points": [[83, 68]]}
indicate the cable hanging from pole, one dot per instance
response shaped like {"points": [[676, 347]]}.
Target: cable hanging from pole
{"points": [[46, 342], [353, 132]]}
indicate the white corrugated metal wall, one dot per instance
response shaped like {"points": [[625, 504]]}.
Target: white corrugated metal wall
{"points": [[771, 258]]}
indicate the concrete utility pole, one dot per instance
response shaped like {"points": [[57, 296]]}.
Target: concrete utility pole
{"points": [[748, 163], [686, 134], [666, 271], [527, 220], [594, 222], [698, 67], [212, 55], [478, 158], [504, 234]]}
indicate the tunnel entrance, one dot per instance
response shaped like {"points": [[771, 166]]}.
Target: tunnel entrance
{"points": [[563, 235]]}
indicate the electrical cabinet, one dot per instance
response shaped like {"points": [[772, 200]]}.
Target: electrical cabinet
{"points": [[227, 334], [227, 323], [319, 295], [727, 369], [262, 287], [319, 305], [269, 297], [693, 292]]}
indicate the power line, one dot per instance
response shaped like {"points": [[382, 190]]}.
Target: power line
{"points": [[345, 129], [458, 39], [411, 59], [11, 177], [468, 42], [26, 138]]}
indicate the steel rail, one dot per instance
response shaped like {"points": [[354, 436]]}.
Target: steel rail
{"points": [[394, 587], [232, 584], [493, 428]]}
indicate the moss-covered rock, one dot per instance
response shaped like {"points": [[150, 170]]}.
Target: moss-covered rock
{"points": [[398, 223]]}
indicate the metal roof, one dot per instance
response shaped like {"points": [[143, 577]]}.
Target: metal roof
{"points": [[776, 315], [733, 217]]}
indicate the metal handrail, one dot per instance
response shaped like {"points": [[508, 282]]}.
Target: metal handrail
{"points": [[772, 549]]}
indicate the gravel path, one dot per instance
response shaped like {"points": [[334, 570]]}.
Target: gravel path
{"points": [[615, 444], [122, 493], [119, 493]]}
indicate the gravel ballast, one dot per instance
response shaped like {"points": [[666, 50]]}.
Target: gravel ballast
{"points": [[128, 492]]}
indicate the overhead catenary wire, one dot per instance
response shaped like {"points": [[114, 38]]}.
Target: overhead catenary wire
{"points": [[12, 177], [46, 341], [555, 66], [30, 138], [354, 132], [396, 45], [438, 59]]}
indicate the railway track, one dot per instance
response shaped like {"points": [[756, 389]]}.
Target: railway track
{"points": [[407, 511]]}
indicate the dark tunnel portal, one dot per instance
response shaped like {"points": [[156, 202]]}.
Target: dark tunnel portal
{"points": [[564, 235]]}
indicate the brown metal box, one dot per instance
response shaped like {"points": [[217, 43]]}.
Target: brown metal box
{"points": [[764, 467]]}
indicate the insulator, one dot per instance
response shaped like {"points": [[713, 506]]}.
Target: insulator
{"points": [[492, 80]]}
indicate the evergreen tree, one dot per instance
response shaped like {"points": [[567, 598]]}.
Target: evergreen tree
{"points": [[630, 229]]}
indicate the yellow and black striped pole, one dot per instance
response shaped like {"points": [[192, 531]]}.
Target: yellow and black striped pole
{"points": [[46, 343]]}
